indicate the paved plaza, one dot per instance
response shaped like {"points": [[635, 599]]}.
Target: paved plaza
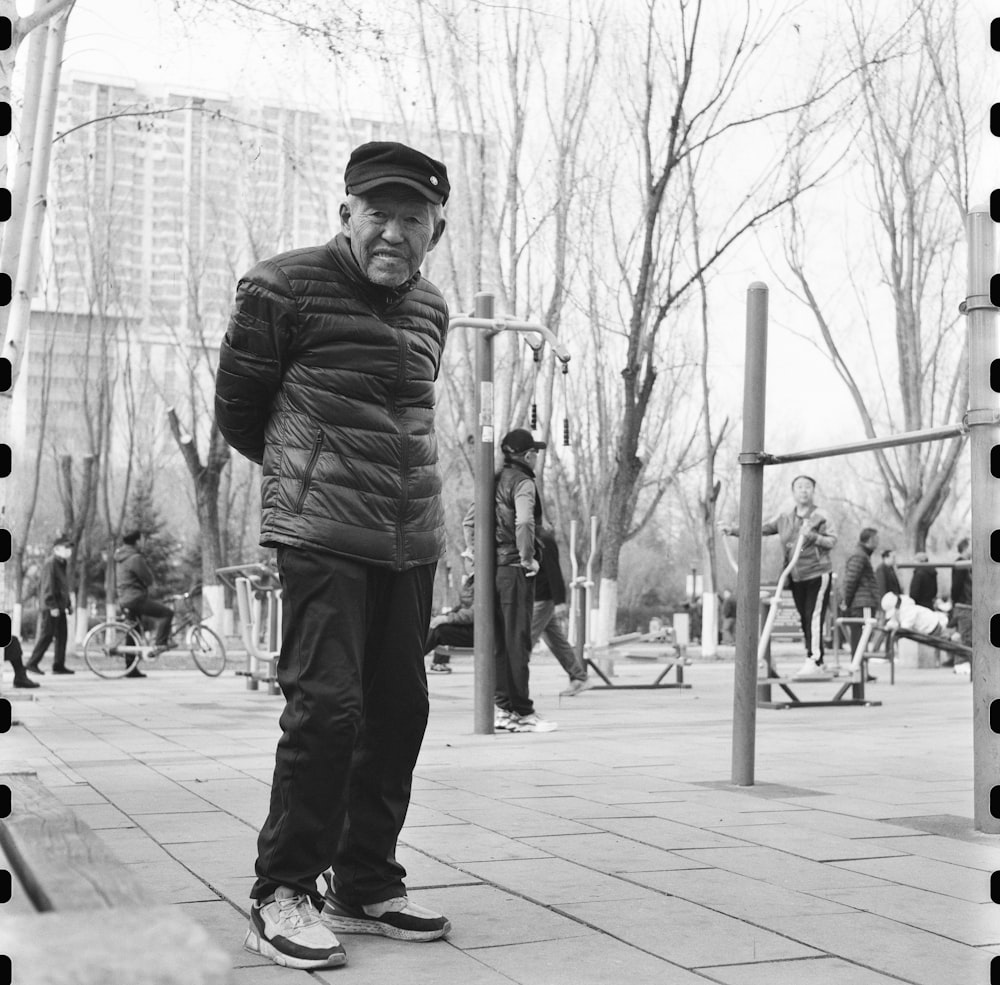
{"points": [[613, 850]]}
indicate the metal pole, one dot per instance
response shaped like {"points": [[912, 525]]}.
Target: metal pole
{"points": [[484, 630], [982, 417], [870, 444], [751, 508]]}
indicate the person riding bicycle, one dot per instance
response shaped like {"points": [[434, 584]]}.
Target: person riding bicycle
{"points": [[134, 580]]}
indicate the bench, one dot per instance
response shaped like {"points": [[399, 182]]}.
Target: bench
{"points": [[635, 647], [78, 916], [936, 642]]}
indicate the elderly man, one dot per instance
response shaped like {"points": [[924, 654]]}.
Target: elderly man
{"points": [[326, 377]]}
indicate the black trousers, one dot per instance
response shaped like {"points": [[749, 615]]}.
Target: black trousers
{"points": [[53, 629], [162, 616], [515, 602], [449, 634], [812, 596], [351, 668]]}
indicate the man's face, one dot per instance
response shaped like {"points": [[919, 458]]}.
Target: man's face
{"points": [[802, 492], [64, 552], [391, 229]]}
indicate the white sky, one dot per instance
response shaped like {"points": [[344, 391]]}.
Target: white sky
{"points": [[145, 40]]}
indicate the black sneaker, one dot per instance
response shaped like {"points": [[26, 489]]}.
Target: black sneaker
{"points": [[135, 672], [25, 682], [34, 669], [289, 932], [397, 918], [62, 670]]}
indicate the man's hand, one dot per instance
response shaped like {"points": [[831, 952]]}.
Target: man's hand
{"points": [[561, 610], [438, 621], [531, 568], [54, 612]]}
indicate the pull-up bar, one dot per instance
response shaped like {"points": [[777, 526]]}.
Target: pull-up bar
{"points": [[982, 422], [869, 444]]}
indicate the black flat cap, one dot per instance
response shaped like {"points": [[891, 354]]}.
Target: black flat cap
{"points": [[385, 162]]}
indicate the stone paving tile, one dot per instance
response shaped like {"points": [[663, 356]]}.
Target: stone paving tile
{"points": [[167, 881], [612, 853], [974, 855], [424, 870], [809, 843], [466, 843], [419, 816], [970, 923], [590, 960], [844, 826], [243, 798], [812, 971], [506, 818], [738, 896], [957, 881], [171, 829], [709, 816], [447, 799], [485, 916], [661, 833], [214, 860], [273, 975], [133, 845], [685, 933], [227, 927], [575, 808], [101, 816], [781, 869], [891, 948], [78, 794], [555, 881]]}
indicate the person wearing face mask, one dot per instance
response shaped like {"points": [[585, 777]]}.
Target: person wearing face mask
{"points": [[810, 578], [56, 602], [326, 379]]}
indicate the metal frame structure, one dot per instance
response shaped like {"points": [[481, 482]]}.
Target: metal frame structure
{"points": [[981, 422]]}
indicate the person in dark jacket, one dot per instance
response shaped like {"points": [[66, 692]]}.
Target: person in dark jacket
{"points": [[518, 517], [55, 602], [923, 582], [548, 617], [861, 597], [134, 581], [326, 379], [961, 593], [455, 627], [886, 576]]}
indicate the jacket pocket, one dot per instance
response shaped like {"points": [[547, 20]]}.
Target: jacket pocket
{"points": [[317, 447]]}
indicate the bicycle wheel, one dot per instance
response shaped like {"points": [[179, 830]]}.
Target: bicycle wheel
{"points": [[111, 649], [207, 650]]}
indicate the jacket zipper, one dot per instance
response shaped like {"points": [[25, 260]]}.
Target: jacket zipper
{"points": [[403, 452], [310, 465]]}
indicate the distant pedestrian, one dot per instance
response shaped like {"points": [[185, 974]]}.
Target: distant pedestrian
{"points": [[728, 612], [886, 576], [518, 516], [861, 599], [455, 627], [548, 619], [135, 581], [923, 582], [56, 602], [961, 592]]}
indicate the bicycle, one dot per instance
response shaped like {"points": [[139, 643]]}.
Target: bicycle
{"points": [[114, 648]]}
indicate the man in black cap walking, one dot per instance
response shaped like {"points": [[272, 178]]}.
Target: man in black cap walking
{"points": [[326, 378], [518, 516], [55, 602]]}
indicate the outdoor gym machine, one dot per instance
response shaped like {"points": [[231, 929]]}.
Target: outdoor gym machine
{"points": [[484, 638], [981, 422]]}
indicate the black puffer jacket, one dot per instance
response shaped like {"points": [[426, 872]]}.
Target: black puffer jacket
{"points": [[328, 380]]}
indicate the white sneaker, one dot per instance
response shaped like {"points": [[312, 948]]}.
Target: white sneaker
{"points": [[287, 929], [533, 723], [813, 670], [575, 687], [503, 721], [964, 669]]}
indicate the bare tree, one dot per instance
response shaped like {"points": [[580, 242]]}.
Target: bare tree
{"points": [[913, 147]]}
